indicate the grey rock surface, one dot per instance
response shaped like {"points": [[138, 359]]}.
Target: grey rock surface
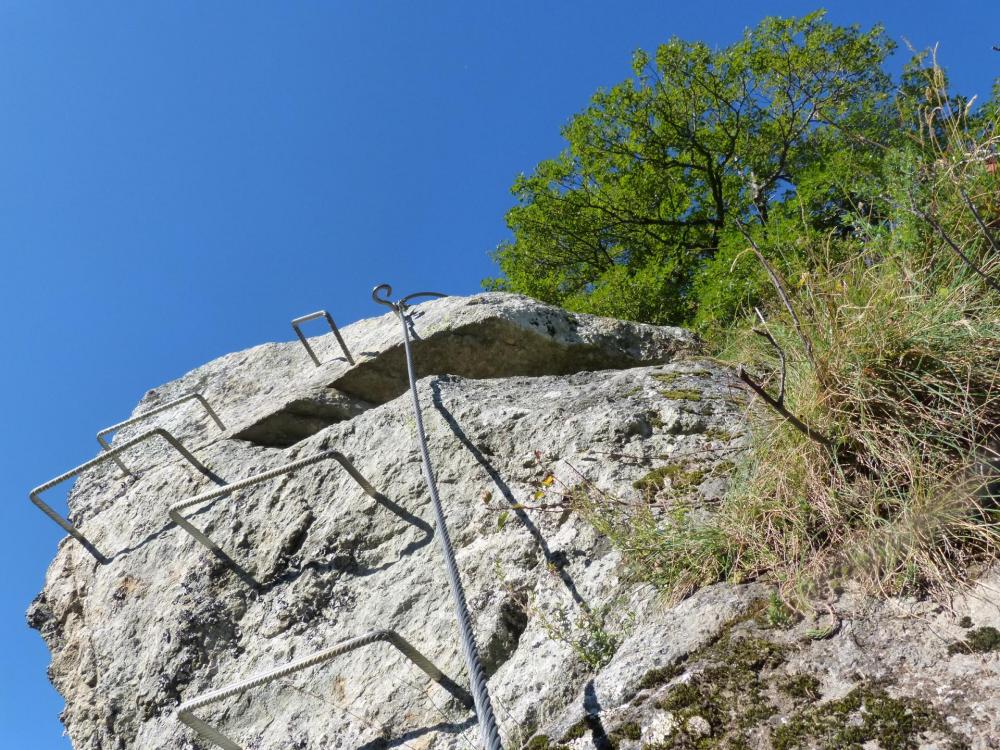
{"points": [[524, 404]]}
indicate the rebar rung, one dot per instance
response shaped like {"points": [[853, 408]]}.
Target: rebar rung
{"points": [[110, 453], [333, 327], [206, 730], [175, 509], [153, 412]]}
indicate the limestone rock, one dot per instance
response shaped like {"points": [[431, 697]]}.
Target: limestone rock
{"points": [[524, 405]]}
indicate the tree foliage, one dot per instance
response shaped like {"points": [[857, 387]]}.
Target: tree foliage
{"points": [[643, 215]]}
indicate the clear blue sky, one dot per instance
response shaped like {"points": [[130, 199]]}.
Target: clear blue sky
{"points": [[178, 180]]}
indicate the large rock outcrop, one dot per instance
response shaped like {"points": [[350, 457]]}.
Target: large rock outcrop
{"points": [[523, 404]]}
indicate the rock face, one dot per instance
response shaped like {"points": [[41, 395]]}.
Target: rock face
{"points": [[524, 405]]}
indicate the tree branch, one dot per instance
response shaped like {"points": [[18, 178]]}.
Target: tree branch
{"points": [[979, 220], [957, 250], [765, 333], [779, 287], [780, 407]]}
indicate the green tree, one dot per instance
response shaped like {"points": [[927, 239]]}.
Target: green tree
{"points": [[642, 215]]}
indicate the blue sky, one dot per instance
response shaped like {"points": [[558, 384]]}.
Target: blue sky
{"points": [[178, 180]]}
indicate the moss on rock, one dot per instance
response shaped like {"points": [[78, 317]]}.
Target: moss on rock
{"points": [[682, 394], [727, 700], [979, 641], [659, 676], [729, 694], [801, 688], [679, 475], [866, 714]]}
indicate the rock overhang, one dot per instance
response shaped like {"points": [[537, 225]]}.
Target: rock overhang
{"points": [[489, 335]]}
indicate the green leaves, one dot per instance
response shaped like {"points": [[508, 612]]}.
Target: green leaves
{"points": [[658, 168]]}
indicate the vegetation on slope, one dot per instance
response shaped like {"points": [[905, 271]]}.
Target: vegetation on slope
{"points": [[832, 232]]}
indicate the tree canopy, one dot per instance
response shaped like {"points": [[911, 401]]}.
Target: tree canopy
{"points": [[644, 212]]}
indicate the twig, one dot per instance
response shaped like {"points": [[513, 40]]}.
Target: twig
{"points": [[780, 407], [561, 505], [778, 404], [779, 287], [765, 333], [957, 250], [979, 220], [841, 454], [668, 456]]}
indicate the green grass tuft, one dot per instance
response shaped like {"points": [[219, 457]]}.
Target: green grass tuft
{"points": [[678, 475]]}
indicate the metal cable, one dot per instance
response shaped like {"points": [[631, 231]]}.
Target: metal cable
{"points": [[489, 734], [111, 453], [333, 327], [186, 709], [152, 412]]}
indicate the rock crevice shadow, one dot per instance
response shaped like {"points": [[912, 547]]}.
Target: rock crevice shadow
{"points": [[556, 560]]}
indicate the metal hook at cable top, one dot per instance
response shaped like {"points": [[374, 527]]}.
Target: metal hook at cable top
{"points": [[400, 305]]}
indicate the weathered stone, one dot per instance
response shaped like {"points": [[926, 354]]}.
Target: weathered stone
{"points": [[501, 335], [523, 404]]}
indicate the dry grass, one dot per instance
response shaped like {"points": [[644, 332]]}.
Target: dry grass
{"points": [[906, 381], [902, 375]]}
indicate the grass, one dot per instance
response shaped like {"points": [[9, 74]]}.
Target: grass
{"points": [[893, 358], [904, 380]]}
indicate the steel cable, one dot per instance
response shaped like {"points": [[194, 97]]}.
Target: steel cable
{"points": [[489, 734]]}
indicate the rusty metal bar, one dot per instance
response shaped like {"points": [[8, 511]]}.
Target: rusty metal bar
{"points": [[333, 327], [153, 412], [185, 712], [110, 453]]}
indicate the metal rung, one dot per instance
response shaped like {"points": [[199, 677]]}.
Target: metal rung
{"points": [[333, 327], [109, 454], [152, 412], [203, 538], [184, 711]]}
